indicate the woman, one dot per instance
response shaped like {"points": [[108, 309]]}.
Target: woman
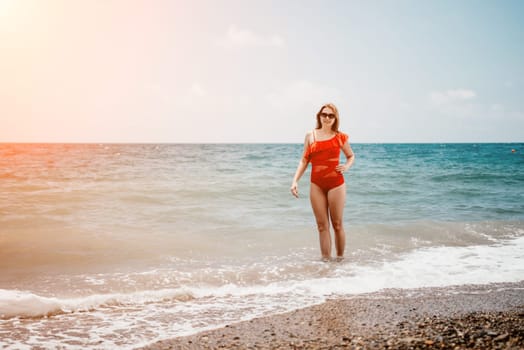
{"points": [[328, 191]]}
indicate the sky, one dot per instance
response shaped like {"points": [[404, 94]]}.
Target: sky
{"points": [[223, 71]]}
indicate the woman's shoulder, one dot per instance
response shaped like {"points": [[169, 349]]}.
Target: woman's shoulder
{"points": [[343, 137], [310, 137]]}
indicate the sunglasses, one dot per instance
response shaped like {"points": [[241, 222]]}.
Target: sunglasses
{"points": [[328, 115]]}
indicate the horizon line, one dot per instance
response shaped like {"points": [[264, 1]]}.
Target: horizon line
{"points": [[240, 143]]}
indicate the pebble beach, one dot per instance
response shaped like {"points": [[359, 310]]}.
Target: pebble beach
{"points": [[459, 317]]}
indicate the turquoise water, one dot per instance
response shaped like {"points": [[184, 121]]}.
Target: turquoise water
{"points": [[444, 182], [132, 243]]}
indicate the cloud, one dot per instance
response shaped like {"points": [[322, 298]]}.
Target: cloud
{"points": [[236, 37], [451, 96]]}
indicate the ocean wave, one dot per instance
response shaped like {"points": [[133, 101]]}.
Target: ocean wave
{"points": [[15, 303], [423, 267], [123, 320]]}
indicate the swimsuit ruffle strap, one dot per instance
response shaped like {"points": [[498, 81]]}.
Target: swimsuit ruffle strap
{"points": [[342, 138]]}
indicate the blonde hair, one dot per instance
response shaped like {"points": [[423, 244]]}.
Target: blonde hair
{"points": [[334, 127]]}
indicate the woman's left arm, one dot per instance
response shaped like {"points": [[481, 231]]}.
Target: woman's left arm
{"points": [[350, 158]]}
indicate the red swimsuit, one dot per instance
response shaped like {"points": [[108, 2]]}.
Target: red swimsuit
{"points": [[324, 157]]}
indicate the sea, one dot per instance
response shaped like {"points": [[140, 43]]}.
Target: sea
{"points": [[107, 246]]}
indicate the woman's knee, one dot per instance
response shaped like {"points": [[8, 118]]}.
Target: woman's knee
{"points": [[338, 225], [322, 226]]}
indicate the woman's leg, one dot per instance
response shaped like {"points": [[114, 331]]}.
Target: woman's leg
{"points": [[336, 201], [319, 203]]}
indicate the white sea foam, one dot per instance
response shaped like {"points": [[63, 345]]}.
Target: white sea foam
{"points": [[432, 267], [426, 267], [26, 304], [145, 316]]}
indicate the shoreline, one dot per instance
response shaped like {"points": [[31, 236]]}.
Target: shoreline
{"points": [[487, 316]]}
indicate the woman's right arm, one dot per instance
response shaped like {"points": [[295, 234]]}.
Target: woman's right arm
{"points": [[301, 168]]}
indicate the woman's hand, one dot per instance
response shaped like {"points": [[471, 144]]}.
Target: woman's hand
{"points": [[294, 189], [341, 168]]}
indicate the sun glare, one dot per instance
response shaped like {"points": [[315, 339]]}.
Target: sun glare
{"points": [[5, 6], [6, 12]]}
